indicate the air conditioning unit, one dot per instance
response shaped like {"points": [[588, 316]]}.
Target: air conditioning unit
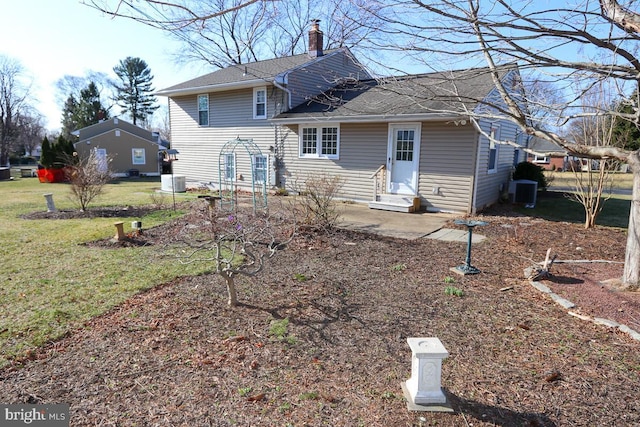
{"points": [[175, 183], [523, 191]]}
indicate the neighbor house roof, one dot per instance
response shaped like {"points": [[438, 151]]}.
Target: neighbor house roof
{"points": [[112, 124], [436, 95], [540, 145], [242, 75]]}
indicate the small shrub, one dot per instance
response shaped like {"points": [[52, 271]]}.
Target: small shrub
{"points": [[449, 279], [158, 200], [316, 200], [399, 267], [300, 277], [244, 391], [279, 329], [453, 291], [87, 177], [312, 395], [286, 406], [532, 172]]}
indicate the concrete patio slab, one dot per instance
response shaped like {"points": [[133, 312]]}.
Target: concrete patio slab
{"points": [[411, 226]]}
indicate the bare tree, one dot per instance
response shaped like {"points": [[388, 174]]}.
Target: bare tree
{"points": [[235, 242], [30, 131], [70, 85], [87, 177], [593, 180], [227, 32], [13, 95], [585, 42]]}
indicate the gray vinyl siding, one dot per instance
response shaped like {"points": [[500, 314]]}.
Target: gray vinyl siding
{"points": [[363, 148], [319, 76], [491, 185], [230, 117], [447, 158]]}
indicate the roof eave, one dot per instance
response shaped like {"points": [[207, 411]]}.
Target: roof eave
{"points": [[433, 117], [212, 88]]}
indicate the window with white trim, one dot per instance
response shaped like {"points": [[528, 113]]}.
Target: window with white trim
{"points": [[203, 110], [259, 103], [493, 149], [540, 159], [137, 156], [230, 167], [260, 168], [320, 141]]}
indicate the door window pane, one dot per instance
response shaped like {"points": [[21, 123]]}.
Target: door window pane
{"points": [[404, 145]]}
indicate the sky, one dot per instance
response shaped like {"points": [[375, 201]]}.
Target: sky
{"points": [[54, 38]]}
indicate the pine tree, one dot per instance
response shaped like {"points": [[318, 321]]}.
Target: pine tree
{"points": [[69, 122], [133, 94], [86, 111], [47, 156], [626, 134]]}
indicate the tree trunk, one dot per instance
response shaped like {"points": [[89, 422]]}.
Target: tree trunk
{"points": [[231, 288], [632, 257]]}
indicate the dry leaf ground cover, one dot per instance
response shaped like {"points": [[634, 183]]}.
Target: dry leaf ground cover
{"points": [[320, 339]]}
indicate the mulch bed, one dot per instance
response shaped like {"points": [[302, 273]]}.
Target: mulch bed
{"points": [[179, 356]]}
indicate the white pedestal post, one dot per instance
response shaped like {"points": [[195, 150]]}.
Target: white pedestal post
{"points": [[51, 207], [423, 390]]}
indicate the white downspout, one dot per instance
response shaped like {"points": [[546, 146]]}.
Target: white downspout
{"points": [[281, 85], [283, 88], [474, 198]]}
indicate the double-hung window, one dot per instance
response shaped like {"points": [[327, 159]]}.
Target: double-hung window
{"points": [[260, 103], [260, 168], [230, 167], [320, 141], [493, 149], [203, 110]]}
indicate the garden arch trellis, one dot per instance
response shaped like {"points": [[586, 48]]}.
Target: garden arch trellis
{"points": [[232, 169]]}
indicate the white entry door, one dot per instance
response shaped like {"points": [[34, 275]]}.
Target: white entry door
{"points": [[402, 158]]}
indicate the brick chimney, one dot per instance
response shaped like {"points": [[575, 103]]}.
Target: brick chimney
{"points": [[315, 39]]}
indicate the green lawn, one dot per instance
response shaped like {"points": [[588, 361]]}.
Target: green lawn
{"points": [[554, 207], [51, 282], [567, 179]]}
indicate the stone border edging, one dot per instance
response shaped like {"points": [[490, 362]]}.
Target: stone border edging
{"points": [[597, 320]]}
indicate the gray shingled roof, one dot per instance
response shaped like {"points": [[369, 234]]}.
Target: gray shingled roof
{"points": [[540, 145], [262, 70], [442, 93]]}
